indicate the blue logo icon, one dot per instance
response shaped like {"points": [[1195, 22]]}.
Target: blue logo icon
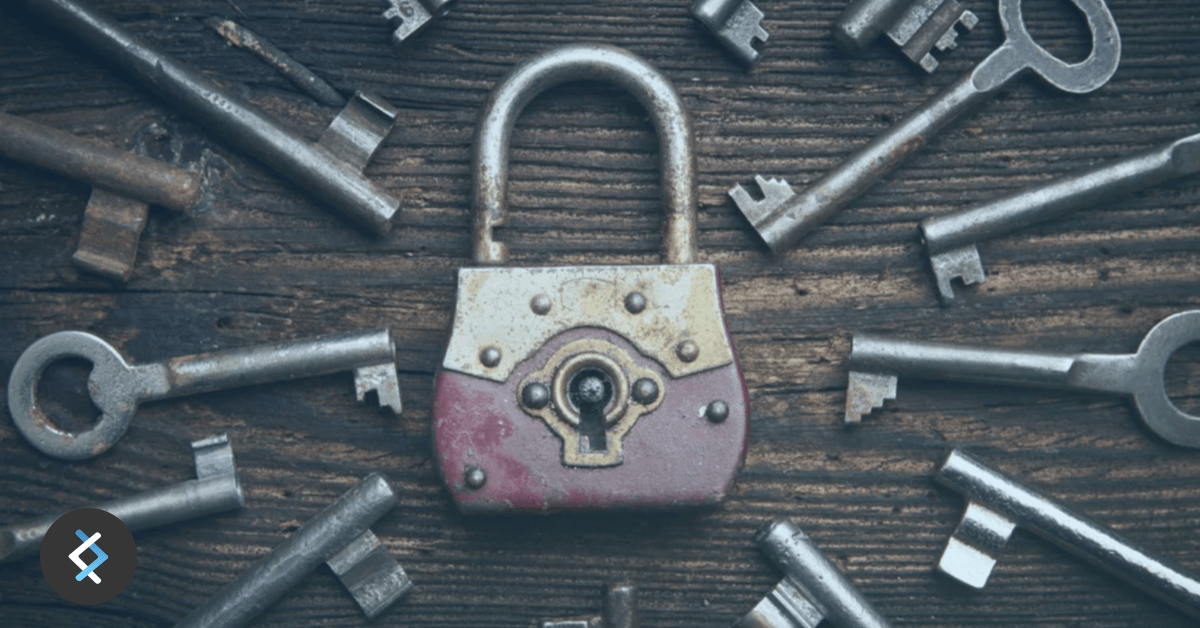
{"points": [[88, 570]]}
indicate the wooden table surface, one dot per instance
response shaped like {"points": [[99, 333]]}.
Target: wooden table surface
{"points": [[263, 262]]}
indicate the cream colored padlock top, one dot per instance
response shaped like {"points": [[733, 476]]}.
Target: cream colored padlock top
{"points": [[583, 62]]}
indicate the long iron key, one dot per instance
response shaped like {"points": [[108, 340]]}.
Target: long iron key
{"points": [[950, 239], [876, 362], [996, 504], [782, 217], [812, 590], [330, 169], [117, 388], [737, 24], [339, 536], [917, 26], [215, 489]]}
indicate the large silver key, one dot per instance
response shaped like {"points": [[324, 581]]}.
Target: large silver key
{"points": [[812, 590], [215, 489], [917, 26], [876, 362], [996, 504], [782, 217], [339, 536], [117, 388], [737, 24], [950, 239]]}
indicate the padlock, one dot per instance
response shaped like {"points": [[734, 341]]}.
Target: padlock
{"points": [[588, 387]]}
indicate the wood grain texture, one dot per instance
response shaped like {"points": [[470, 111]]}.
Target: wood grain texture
{"points": [[261, 262]]}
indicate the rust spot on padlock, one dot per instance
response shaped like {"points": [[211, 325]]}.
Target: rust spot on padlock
{"points": [[595, 386]]}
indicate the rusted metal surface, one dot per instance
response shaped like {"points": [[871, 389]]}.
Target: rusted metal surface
{"points": [[495, 308], [108, 241], [122, 172], [291, 69], [672, 457]]}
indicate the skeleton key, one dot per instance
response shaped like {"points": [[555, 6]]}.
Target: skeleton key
{"points": [[410, 17], [735, 23], [951, 239], [876, 362], [917, 26], [782, 217], [117, 388], [813, 589], [996, 504], [620, 610]]}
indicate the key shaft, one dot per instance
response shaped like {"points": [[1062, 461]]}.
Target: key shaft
{"points": [[344, 525], [971, 552], [216, 489], [945, 236], [314, 167]]}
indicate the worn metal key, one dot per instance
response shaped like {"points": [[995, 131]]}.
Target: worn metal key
{"points": [[410, 17], [950, 239], [737, 24], [782, 216], [125, 185], [215, 489], [117, 388], [339, 536], [812, 590], [917, 26], [876, 362], [330, 169], [996, 504]]}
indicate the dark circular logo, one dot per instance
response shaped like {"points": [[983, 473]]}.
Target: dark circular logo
{"points": [[88, 556]]}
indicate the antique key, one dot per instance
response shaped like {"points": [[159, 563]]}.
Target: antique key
{"points": [[996, 504], [812, 590], [876, 362], [781, 217], [588, 387], [950, 239], [410, 17], [117, 388], [737, 24], [125, 185], [917, 26], [331, 169], [339, 536], [215, 489]]}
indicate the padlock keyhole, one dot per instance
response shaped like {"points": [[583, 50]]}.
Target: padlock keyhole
{"points": [[591, 391]]}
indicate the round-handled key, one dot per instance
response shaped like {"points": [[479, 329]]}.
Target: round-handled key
{"points": [[781, 217], [876, 362], [118, 388]]}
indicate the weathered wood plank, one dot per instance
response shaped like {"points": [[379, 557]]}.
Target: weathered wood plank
{"points": [[262, 262]]}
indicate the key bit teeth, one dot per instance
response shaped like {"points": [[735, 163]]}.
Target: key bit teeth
{"points": [[971, 552], [962, 263], [408, 17], [382, 379], [737, 24], [372, 576], [775, 192], [867, 391]]}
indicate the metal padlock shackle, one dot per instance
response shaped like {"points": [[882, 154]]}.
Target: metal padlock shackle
{"points": [[585, 62]]}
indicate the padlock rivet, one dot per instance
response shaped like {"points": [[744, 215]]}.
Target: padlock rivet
{"points": [[474, 477], [717, 411], [635, 302], [540, 304], [490, 356], [535, 396], [688, 351], [645, 391]]}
